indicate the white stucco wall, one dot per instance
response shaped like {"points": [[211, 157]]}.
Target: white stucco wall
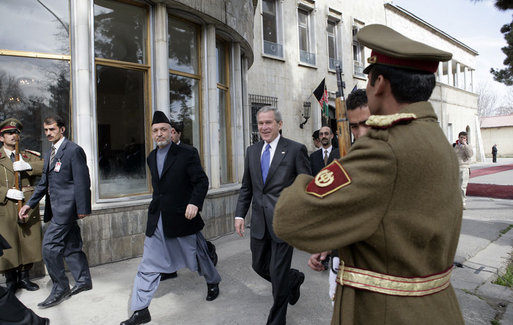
{"points": [[502, 137]]}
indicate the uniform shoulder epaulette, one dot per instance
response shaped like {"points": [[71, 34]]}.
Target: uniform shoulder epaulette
{"points": [[387, 121], [35, 153]]}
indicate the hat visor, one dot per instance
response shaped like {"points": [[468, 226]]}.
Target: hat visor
{"points": [[367, 69]]}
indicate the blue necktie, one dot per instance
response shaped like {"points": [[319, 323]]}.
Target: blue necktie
{"points": [[264, 162]]}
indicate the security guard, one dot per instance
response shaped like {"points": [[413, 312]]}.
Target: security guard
{"points": [[392, 205], [25, 238]]}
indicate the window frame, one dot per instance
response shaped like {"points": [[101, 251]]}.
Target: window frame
{"points": [[307, 57], [358, 50], [147, 89], [269, 47]]}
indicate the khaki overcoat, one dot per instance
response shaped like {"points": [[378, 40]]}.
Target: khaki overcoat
{"points": [[399, 215], [24, 239]]}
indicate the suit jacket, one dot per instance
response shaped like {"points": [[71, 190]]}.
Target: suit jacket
{"points": [[68, 189], [317, 159], [182, 182], [290, 159]]}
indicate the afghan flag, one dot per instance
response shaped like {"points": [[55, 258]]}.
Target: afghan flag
{"points": [[321, 93]]}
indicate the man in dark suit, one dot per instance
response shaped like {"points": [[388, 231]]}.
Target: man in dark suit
{"points": [[66, 184], [173, 231], [323, 157], [271, 165]]}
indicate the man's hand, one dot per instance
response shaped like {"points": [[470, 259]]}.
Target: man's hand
{"points": [[15, 194], [315, 261], [82, 216], [191, 211], [21, 165], [24, 212], [239, 226]]}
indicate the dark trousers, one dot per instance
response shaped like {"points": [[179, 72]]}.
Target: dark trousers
{"points": [[494, 157], [271, 260], [64, 242], [12, 311]]}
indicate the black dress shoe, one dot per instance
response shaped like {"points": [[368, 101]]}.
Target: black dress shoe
{"points": [[54, 300], [165, 276], [213, 291], [294, 292], [25, 282], [138, 317], [45, 321], [79, 288]]}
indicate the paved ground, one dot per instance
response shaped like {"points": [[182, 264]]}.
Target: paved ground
{"points": [[245, 299]]}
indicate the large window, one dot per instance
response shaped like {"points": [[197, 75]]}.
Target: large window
{"points": [[223, 106], [122, 69], [34, 66], [306, 41], [185, 79], [271, 27]]}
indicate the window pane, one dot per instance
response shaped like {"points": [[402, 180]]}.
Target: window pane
{"points": [[37, 26], [303, 30], [183, 46], [221, 63], [119, 31], [269, 21], [32, 89], [120, 116], [224, 138], [184, 103]]}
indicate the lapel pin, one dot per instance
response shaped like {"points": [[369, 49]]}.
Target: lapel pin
{"points": [[283, 152]]}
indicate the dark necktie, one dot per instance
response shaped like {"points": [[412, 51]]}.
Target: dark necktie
{"points": [[12, 157], [52, 155], [325, 157], [264, 162]]}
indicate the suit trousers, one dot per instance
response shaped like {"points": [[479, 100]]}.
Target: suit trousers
{"points": [[14, 312], [64, 242], [271, 260]]}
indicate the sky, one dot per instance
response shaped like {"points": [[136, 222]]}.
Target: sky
{"points": [[477, 24]]}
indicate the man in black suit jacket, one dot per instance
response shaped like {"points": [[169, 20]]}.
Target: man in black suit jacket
{"points": [[173, 231], [325, 155], [66, 184], [271, 165]]}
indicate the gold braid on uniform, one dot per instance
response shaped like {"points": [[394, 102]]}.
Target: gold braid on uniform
{"points": [[387, 121]]}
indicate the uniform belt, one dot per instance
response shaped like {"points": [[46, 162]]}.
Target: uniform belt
{"points": [[393, 285]]}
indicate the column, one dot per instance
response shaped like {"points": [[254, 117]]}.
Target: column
{"points": [[465, 78], [212, 108], [237, 110], [457, 77], [161, 56], [82, 69], [450, 81]]}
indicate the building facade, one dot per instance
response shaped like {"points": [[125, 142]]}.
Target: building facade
{"points": [[106, 66], [498, 130]]}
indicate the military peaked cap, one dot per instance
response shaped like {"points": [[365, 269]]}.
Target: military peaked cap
{"points": [[11, 124], [394, 49]]}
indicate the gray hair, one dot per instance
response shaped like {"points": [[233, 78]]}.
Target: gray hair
{"points": [[265, 109]]}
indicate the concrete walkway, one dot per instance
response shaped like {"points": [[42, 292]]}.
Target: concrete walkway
{"points": [[245, 299]]}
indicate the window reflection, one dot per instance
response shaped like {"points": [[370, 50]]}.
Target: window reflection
{"points": [[184, 98], [37, 26], [223, 107], [184, 79], [121, 137], [119, 31], [30, 90]]}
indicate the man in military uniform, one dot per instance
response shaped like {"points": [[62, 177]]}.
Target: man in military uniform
{"points": [[25, 238], [392, 205]]}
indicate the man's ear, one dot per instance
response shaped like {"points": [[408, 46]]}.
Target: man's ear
{"points": [[63, 129], [381, 85]]}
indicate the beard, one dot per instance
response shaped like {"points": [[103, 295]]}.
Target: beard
{"points": [[163, 143]]}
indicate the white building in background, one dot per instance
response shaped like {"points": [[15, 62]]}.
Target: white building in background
{"points": [[298, 43]]}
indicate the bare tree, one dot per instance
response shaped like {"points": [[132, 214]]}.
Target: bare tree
{"points": [[486, 101]]}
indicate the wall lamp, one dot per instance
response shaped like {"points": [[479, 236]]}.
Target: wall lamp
{"points": [[306, 113]]}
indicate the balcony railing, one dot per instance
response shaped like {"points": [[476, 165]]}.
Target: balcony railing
{"points": [[273, 49], [307, 57], [358, 69], [333, 64]]}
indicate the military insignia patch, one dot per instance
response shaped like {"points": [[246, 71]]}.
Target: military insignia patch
{"points": [[330, 179], [387, 121]]}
